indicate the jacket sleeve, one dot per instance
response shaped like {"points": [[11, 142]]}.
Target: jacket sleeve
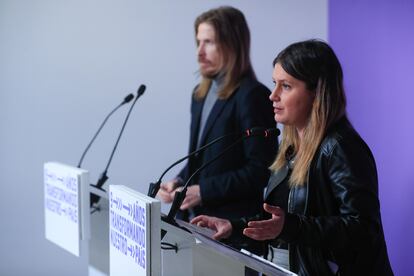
{"points": [[253, 109], [350, 169]]}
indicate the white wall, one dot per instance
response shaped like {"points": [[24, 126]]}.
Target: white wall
{"points": [[65, 64]]}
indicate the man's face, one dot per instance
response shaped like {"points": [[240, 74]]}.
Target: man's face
{"points": [[208, 52]]}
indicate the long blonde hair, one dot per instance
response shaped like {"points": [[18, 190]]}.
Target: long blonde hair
{"points": [[233, 38], [315, 63]]}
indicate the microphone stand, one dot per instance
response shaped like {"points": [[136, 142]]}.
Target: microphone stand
{"points": [[127, 99], [255, 131], [103, 178], [180, 195], [155, 187]]}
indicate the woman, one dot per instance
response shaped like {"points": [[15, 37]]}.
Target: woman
{"points": [[330, 217]]}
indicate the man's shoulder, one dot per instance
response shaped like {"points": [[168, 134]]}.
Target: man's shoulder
{"points": [[250, 85], [250, 82]]}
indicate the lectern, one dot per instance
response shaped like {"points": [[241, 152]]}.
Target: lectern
{"points": [[195, 252], [124, 235]]}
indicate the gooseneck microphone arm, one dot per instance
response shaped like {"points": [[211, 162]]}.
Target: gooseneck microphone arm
{"points": [[180, 195], [155, 187], [127, 99], [104, 177]]}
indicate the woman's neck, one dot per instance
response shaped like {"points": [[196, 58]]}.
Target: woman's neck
{"points": [[301, 132]]}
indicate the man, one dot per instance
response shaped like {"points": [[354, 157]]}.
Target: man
{"points": [[228, 99]]}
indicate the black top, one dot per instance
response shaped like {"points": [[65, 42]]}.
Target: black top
{"points": [[333, 223]]}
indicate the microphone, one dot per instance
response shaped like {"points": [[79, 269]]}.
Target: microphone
{"points": [[104, 177], [155, 187], [180, 195], [127, 99]]}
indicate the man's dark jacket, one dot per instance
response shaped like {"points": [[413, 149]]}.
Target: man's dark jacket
{"points": [[232, 186]]}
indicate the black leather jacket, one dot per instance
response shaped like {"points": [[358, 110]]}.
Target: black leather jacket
{"points": [[333, 223]]}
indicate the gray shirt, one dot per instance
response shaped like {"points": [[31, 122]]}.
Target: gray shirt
{"points": [[209, 102]]}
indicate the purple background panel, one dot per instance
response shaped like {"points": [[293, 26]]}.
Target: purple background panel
{"points": [[374, 41]]}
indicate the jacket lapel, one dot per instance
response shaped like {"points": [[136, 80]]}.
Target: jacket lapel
{"points": [[197, 108], [276, 179], [214, 114]]}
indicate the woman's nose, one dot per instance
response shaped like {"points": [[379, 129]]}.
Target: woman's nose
{"points": [[274, 96]]}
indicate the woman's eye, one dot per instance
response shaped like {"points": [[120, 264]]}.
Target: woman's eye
{"points": [[286, 86]]}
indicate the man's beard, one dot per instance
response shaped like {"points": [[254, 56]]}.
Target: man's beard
{"points": [[208, 74]]}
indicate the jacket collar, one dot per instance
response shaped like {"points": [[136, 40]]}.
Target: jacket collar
{"points": [[212, 117], [280, 175], [275, 179]]}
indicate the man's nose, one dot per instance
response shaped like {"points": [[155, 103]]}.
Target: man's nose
{"points": [[200, 50]]}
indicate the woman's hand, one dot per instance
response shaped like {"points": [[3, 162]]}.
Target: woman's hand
{"points": [[222, 227], [266, 229]]}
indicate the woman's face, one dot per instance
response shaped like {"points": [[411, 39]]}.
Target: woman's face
{"points": [[292, 101]]}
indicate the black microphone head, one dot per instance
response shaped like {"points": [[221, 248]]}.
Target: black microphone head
{"points": [[128, 98], [272, 132], [141, 90], [255, 131], [262, 132]]}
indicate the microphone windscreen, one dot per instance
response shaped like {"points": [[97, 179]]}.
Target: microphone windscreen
{"points": [[141, 90], [272, 132], [255, 131], [128, 98]]}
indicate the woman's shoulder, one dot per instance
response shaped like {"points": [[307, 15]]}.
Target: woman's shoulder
{"points": [[342, 136]]}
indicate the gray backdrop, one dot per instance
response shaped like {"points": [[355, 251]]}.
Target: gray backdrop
{"points": [[65, 64]]}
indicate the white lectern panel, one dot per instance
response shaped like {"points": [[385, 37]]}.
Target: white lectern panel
{"points": [[62, 189], [134, 233]]}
